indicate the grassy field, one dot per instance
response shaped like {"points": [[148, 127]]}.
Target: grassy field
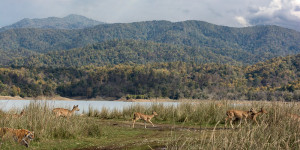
{"points": [[195, 125]]}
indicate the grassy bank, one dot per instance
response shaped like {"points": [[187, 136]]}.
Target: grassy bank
{"points": [[185, 126]]}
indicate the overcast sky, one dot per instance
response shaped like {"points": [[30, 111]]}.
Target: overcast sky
{"points": [[236, 13]]}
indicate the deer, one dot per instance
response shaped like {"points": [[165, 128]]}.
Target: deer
{"points": [[255, 114], [15, 115], [65, 112], [19, 115], [238, 114], [146, 118]]}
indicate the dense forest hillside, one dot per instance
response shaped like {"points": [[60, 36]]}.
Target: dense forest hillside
{"points": [[123, 51], [68, 22], [8, 56], [276, 79], [248, 45]]}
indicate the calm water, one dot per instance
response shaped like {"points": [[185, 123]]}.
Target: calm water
{"points": [[7, 105]]}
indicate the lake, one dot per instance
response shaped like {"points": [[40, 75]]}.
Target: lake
{"points": [[7, 105]]}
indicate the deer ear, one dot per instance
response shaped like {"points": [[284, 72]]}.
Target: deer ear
{"points": [[77, 106]]}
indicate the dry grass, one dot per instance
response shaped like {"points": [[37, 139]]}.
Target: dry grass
{"points": [[276, 130]]}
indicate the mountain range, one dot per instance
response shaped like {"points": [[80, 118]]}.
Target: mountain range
{"points": [[69, 22], [188, 41]]}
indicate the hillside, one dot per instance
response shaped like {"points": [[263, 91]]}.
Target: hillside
{"points": [[7, 56], [123, 51], [68, 22], [248, 45], [276, 79]]}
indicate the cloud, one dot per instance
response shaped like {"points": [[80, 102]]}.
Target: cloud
{"points": [[278, 12], [241, 20]]}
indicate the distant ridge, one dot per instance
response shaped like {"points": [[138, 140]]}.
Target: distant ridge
{"points": [[69, 22], [247, 45]]}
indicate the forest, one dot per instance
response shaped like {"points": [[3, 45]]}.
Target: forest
{"points": [[275, 79], [152, 59], [248, 45]]}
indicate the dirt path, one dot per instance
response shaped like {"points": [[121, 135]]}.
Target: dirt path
{"points": [[158, 127], [166, 127]]}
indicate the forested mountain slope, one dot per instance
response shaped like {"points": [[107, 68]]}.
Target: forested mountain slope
{"points": [[249, 45], [276, 79], [68, 22], [7, 56], [123, 51]]}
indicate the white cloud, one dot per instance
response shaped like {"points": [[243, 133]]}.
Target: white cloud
{"points": [[278, 12], [274, 6], [241, 20], [296, 8]]}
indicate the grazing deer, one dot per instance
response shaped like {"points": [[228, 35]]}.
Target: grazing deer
{"points": [[238, 114], [255, 114], [65, 112], [146, 118]]}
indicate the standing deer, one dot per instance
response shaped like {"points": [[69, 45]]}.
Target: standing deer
{"points": [[146, 118], [65, 112], [238, 114]]}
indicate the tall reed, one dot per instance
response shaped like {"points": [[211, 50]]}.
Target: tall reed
{"points": [[276, 131], [40, 119]]}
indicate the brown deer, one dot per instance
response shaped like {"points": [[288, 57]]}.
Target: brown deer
{"points": [[15, 115], [65, 112], [255, 114], [238, 114], [146, 118]]}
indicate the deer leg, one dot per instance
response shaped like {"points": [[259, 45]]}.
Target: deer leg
{"points": [[254, 118], [246, 120], [145, 124], [226, 121], [240, 122], [133, 123], [151, 122], [231, 123], [57, 115]]}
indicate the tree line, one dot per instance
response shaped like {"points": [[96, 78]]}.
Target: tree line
{"points": [[276, 79]]}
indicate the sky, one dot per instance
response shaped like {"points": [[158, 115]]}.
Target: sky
{"points": [[234, 13]]}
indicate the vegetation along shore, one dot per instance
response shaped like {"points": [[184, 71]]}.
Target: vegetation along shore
{"points": [[185, 126]]}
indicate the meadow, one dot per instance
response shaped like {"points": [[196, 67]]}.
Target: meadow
{"points": [[189, 125]]}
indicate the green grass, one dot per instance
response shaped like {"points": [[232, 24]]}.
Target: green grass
{"points": [[186, 126]]}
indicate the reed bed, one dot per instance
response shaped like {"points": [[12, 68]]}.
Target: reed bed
{"points": [[276, 130], [40, 119], [201, 113]]}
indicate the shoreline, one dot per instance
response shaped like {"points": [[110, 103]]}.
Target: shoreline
{"points": [[36, 98], [89, 99], [60, 98]]}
